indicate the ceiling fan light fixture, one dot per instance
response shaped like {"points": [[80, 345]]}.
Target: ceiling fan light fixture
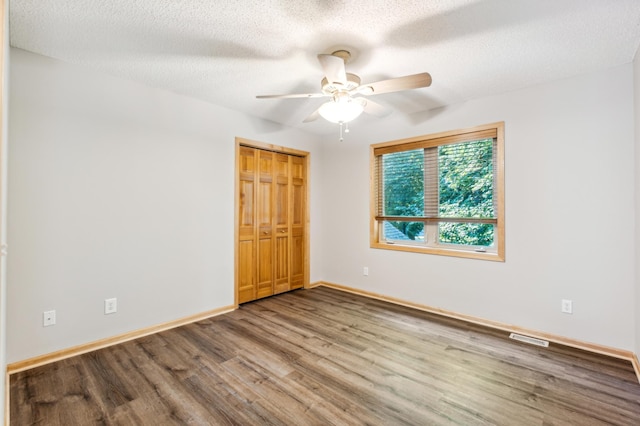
{"points": [[341, 110]]}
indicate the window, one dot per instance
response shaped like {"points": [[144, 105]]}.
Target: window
{"points": [[441, 194]]}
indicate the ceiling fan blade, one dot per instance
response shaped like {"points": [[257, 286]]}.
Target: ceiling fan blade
{"points": [[374, 108], [312, 117], [333, 68], [414, 81], [291, 96]]}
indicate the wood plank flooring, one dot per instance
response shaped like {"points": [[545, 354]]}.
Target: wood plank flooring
{"points": [[325, 357]]}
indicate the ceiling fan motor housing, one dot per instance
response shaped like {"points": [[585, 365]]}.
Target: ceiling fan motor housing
{"points": [[330, 88]]}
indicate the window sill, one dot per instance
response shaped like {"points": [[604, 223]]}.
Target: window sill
{"points": [[495, 257]]}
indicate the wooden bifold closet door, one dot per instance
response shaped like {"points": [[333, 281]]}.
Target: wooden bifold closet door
{"points": [[271, 221]]}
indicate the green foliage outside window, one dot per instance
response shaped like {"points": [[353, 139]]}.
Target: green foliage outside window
{"points": [[404, 189], [465, 190]]}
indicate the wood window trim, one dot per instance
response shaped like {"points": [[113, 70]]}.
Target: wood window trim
{"points": [[431, 140]]}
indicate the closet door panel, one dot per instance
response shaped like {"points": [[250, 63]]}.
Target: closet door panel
{"points": [[282, 277], [281, 223], [297, 261], [298, 205], [246, 272], [265, 267], [265, 227], [247, 221]]}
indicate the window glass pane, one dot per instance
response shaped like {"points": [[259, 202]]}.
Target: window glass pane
{"points": [[403, 231], [466, 179], [466, 190], [403, 183], [472, 234]]}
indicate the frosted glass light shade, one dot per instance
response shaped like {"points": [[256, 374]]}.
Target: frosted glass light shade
{"points": [[341, 111]]}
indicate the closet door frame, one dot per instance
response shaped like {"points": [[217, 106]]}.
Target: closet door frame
{"points": [[276, 149]]}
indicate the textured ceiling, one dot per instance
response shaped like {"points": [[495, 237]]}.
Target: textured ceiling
{"points": [[226, 52]]}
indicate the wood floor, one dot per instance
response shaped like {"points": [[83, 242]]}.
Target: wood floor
{"points": [[324, 357]]}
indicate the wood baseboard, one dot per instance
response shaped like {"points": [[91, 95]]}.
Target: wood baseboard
{"points": [[587, 346], [110, 341], [636, 365]]}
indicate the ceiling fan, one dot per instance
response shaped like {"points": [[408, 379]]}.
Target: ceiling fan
{"points": [[343, 88]]}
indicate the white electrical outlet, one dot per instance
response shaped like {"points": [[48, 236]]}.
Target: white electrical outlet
{"points": [[567, 306], [48, 318], [365, 271], [110, 306]]}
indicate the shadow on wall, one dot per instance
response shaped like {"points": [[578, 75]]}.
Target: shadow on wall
{"points": [[424, 116]]}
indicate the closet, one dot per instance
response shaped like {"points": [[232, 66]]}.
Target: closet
{"points": [[271, 209]]}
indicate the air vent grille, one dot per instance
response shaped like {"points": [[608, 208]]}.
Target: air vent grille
{"points": [[530, 340]]}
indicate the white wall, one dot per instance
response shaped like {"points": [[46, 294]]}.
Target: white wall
{"points": [[569, 213], [119, 190], [3, 209], [636, 116]]}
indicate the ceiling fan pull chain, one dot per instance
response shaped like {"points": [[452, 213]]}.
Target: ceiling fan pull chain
{"points": [[341, 138]]}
